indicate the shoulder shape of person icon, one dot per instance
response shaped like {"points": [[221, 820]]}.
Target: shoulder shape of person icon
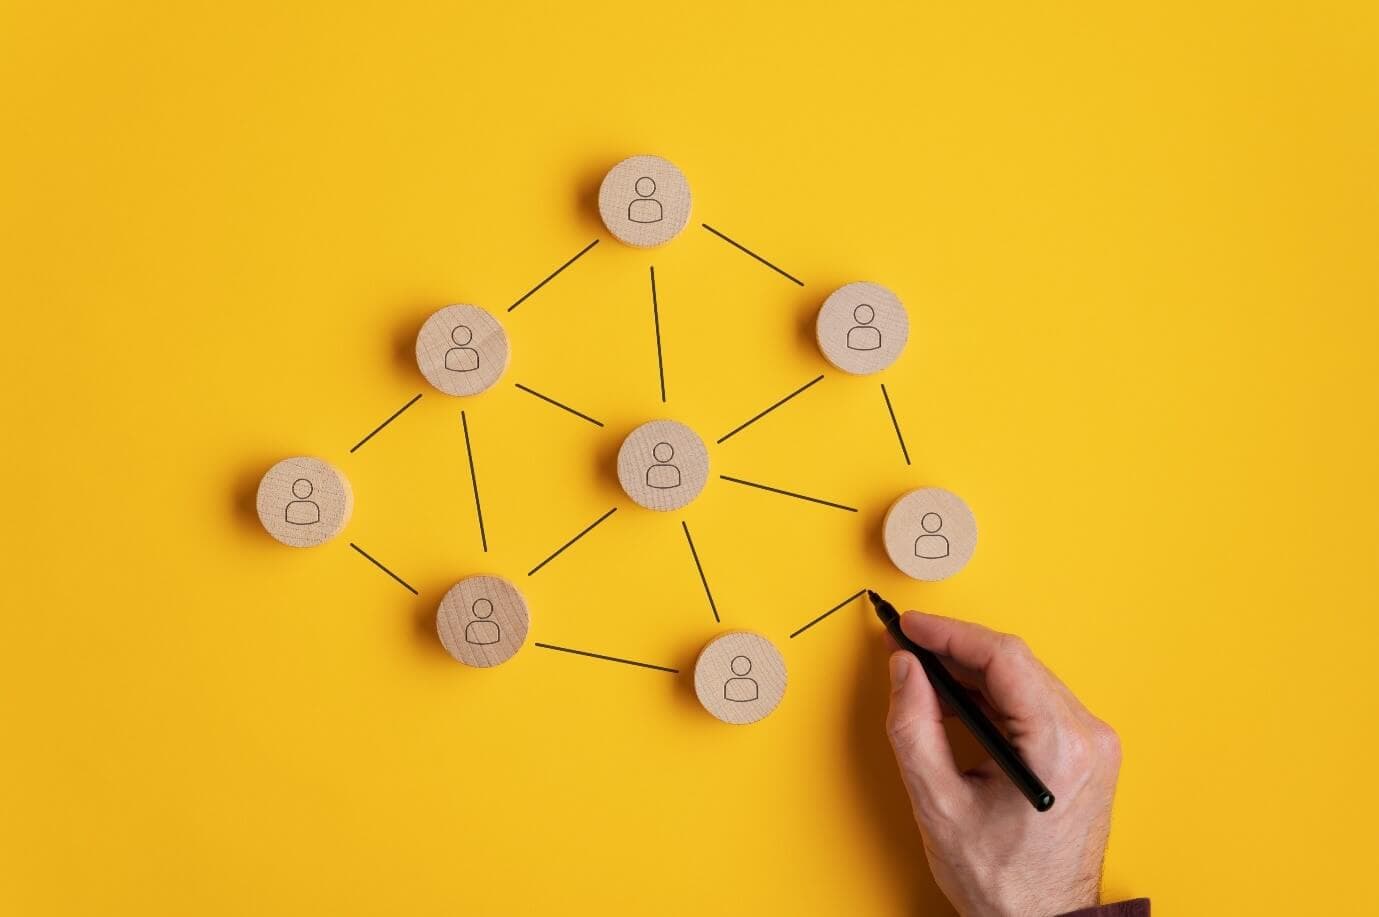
{"points": [[931, 547], [864, 337], [741, 690], [663, 477], [482, 633], [462, 359], [303, 512]]}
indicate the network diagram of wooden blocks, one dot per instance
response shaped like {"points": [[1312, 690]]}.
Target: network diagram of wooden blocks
{"points": [[663, 465]]}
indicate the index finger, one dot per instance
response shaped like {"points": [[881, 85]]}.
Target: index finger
{"points": [[1016, 683]]}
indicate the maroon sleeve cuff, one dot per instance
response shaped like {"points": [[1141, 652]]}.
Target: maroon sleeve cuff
{"points": [[1139, 907]]}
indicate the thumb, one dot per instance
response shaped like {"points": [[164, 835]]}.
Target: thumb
{"points": [[915, 726]]}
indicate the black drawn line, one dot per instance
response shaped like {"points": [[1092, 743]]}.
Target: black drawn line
{"points": [[380, 566], [656, 317], [587, 529], [898, 435], [395, 415], [563, 407], [474, 480], [553, 275], [741, 247], [644, 665], [789, 493], [841, 604], [740, 427], [700, 567]]}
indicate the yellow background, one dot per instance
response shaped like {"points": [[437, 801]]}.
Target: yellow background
{"points": [[1138, 246]]}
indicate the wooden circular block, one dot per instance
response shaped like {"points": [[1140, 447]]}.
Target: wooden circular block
{"points": [[862, 328], [482, 621], [930, 533], [739, 677], [644, 201], [663, 465], [304, 502], [462, 350]]}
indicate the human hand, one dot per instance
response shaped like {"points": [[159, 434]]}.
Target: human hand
{"points": [[989, 850]]}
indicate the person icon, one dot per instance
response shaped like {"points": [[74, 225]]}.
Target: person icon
{"points": [[645, 208], [663, 475], [462, 358], [482, 631], [302, 511], [862, 336], [740, 688], [931, 545]]}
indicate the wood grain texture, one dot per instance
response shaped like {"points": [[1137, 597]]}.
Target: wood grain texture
{"points": [[303, 501], [740, 677], [482, 621], [930, 533], [462, 350], [663, 465], [862, 328], [644, 201]]}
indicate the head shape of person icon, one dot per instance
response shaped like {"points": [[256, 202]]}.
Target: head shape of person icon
{"points": [[482, 631], [863, 336], [645, 208], [462, 358], [740, 688], [931, 545], [663, 475], [302, 511]]}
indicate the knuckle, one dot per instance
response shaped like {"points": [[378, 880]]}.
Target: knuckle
{"points": [[1078, 751], [1015, 645], [942, 816], [1107, 743], [901, 731], [1092, 747]]}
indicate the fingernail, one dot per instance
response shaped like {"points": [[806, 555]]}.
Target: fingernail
{"points": [[900, 670]]}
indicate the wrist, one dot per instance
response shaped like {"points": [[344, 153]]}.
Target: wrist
{"points": [[1081, 894], [1040, 900]]}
